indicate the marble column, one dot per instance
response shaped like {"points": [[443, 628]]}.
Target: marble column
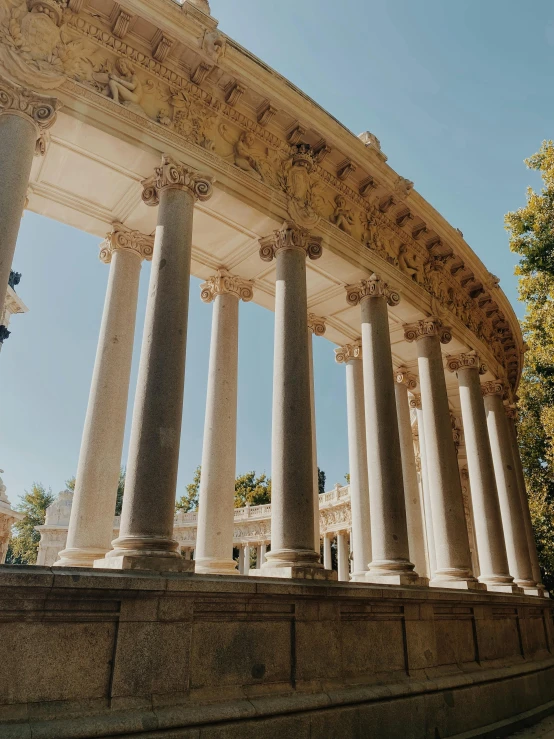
{"points": [[316, 327], [390, 561], [447, 509], [214, 540], [92, 512], [24, 117], [511, 413], [246, 560], [415, 403], [405, 381], [351, 356], [327, 557], [342, 557], [292, 505], [487, 519], [241, 560], [513, 523], [263, 550], [146, 534]]}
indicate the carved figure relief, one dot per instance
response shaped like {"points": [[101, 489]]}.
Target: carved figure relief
{"points": [[343, 217], [411, 263]]}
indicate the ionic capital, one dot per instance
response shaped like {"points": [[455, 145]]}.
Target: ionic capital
{"points": [[493, 387], [316, 325], [290, 236], [403, 377], [348, 352], [374, 287], [121, 237], [171, 175], [415, 401], [511, 411], [465, 360], [39, 109], [427, 327], [224, 283]]}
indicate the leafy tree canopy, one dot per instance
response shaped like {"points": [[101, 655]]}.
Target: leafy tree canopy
{"points": [[321, 477], [23, 546], [189, 501]]}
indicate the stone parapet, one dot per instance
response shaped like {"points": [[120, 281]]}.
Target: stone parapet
{"points": [[174, 654]]}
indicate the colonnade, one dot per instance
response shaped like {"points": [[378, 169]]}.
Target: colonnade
{"points": [[398, 536]]}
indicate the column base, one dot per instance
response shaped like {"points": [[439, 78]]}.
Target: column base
{"points": [[537, 591], [399, 578], [297, 572], [358, 576], [392, 572], [79, 557], [457, 584], [146, 563], [208, 566], [506, 588]]}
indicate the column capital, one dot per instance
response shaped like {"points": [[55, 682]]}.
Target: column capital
{"points": [[374, 287], [415, 401], [465, 360], [121, 237], [290, 236], [173, 175], [493, 387], [224, 283], [41, 110], [403, 377], [316, 324], [430, 326], [511, 411], [348, 352]]}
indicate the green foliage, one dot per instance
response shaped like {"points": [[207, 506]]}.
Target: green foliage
{"points": [[23, 546], [70, 485], [347, 478], [189, 501], [252, 489], [321, 477]]}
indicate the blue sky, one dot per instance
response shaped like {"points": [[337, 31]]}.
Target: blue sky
{"points": [[458, 93]]}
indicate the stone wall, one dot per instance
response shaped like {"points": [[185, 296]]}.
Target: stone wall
{"points": [[98, 654]]}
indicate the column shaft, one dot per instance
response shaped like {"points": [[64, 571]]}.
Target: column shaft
{"points": [[342, 557], [414, 513], [491, 547], [92, 513], [327, 558], [246, 565], [315, 472], [427, 515], [517, 547], [214, 541], [241, 560]]}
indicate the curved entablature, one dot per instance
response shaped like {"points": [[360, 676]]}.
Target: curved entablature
{"points": [[182, 85]]}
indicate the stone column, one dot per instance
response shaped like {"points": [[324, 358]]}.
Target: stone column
{"points": [[515, 535], [263, 550], [316, 327], [146, 535], [241, 560], [214, 541], [449, 524], [24, 117], [389, 533], [292, 505], [415, 402], [511, 413], [342, 557], [92, 513], [246, 560], [487, 519], [351, 356], [405, 381], [327, 557]]}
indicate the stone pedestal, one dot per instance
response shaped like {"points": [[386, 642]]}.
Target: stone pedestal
{"points": [[146, 535], [389, 534], [92, 514], [449, 525], [214, 543], [351, 355], [484, 495]]}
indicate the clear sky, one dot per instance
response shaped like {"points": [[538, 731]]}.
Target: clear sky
{"points": [[459, 93]]}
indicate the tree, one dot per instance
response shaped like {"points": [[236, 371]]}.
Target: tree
{"points": [[70, 485], [252, 489], [321, 477], [189, 501], [531, 230], [23, 547]]}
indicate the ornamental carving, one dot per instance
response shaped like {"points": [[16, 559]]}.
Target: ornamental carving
{"points": [[172, 175], [41, 110], [316, 325], [511, 411], [403, 377], [415, 401], [465, 360], [427, 327], [224, 283], [348, 352], [124, 238], [493, 387], [290, 236], [374, 287]]}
